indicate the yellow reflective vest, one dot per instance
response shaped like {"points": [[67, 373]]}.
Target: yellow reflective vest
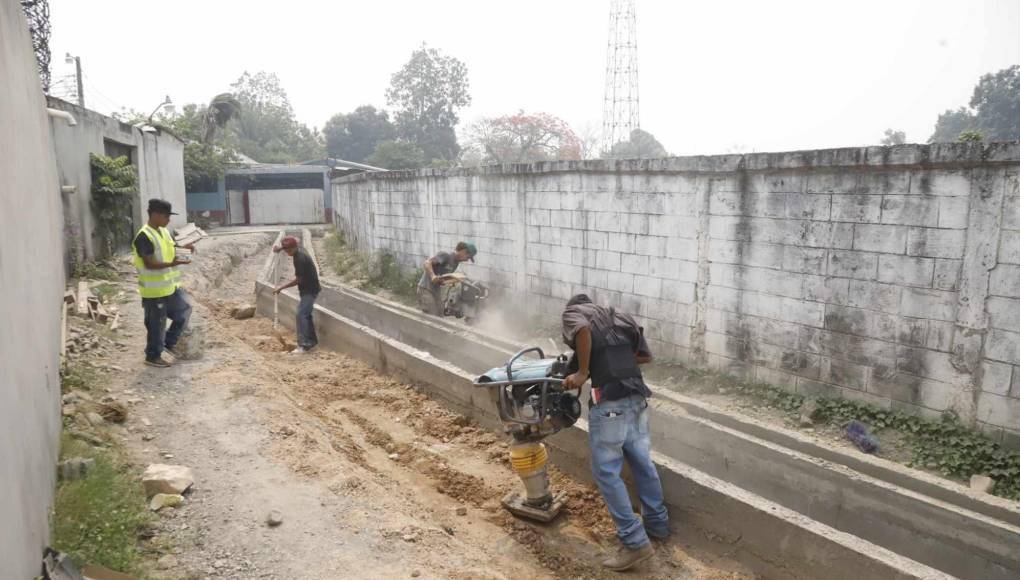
{"points": [[161, 282]]}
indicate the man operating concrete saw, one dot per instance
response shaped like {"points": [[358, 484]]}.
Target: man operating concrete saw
{"points": [[609, 346], [430, 287]]}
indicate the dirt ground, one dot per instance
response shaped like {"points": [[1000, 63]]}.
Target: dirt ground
{"points": [[373, 479]]}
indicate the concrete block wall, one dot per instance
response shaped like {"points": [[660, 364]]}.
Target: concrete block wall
{"points": [[885, 274]]}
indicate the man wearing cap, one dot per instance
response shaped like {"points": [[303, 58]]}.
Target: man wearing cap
{"points": [[159, 283], [306, 278], [430, 287]]}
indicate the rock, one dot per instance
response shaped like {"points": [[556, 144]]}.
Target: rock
{"points": [[243, 311], [982, 483], [393, 456], [74, 468], [162, 478], [461, 511], [490, 506], [69, 410], [274, 518], [162, 500], [808, 413], [168, 562], [113, 411], [94, 419], [410, 537], [148, 437], [415, 573]]}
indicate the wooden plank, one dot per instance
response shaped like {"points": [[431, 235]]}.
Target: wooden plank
{"points": [[83, 298], [63, 332], [116, 322], [69, 297]]}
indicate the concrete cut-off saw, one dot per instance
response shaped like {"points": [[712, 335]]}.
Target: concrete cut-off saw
{"points": [[533, 404]]}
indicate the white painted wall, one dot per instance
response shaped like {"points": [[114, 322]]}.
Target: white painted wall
{"points": [[286, 206], [31, 289], [159, 158]]}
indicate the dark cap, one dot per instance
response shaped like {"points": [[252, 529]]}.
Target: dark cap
{"points": [[160, 206]]}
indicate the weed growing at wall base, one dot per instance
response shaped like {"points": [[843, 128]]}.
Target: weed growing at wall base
{"points": [[371, 273], [946, 446]]}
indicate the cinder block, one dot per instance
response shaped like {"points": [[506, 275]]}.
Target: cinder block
{"points": [[688, 271], [847, 320], [880, 238], [607, 260], [996, 377], [682, 249], [825, 289], [852, 264], [874, 296], [843, 373], [548, 235], [836, 182], [921, 303], [1003, 346], [1009, 247], [936, 243], [940, 335], [634, 264], [865, 209], [804, 313], [941, 182], [926, 363], [636, 223], [620, 281], [538, 217], [910, 210], [729, 203], [947, 274], [594, 240], [609, 222], [673, 225], [895, 182], [572, 238], [805, 260], [812, 206], [647, 286], [664, 268], [998, 410], [906, 270], [1004, 313], [623, 243], [651, 245], [1005, 280]]}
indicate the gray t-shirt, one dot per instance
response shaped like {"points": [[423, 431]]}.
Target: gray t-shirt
{"points": [[442, 263]]}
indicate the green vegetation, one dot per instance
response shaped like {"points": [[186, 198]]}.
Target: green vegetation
{"points": [[947, 446], [97, 519], [370, 273], [114, 185], [96, 271]]}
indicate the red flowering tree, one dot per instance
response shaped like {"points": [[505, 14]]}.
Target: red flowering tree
{"points": [[523, 138]]}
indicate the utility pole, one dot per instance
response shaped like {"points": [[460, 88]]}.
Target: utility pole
{"points": [[620, 104], [77, 70]]}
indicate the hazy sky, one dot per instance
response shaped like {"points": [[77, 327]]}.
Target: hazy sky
{"points": [[714, 75]]}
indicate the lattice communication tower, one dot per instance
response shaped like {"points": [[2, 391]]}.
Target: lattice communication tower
{"points": [[620, 105]]}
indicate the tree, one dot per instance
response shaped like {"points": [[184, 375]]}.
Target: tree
{"points": [[268, 131], [397, 155], [893, 137], [951, 124], [524, 138], [354, 136], [994, 110], [220, 111], [427, 93], [641, 145], [590, 136]]}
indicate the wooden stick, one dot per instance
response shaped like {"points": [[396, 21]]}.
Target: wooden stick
{"points": [[83, 298], [63, 333]]}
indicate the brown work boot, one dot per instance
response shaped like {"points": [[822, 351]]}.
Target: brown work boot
{"points": [[626, 558]]}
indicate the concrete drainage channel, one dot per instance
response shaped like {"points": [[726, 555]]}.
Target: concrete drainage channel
{"points": [[771, 498]]}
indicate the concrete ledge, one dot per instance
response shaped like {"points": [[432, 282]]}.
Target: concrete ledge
{"points": [[911, 479], [773, 540]]}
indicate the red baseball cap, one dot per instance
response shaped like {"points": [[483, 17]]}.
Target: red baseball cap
{"points": [[286, 243]]}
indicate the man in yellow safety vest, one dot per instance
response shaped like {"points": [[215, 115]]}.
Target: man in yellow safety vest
{"points": [[159, 283]]}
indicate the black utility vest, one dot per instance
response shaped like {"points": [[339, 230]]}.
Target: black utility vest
{"points": [[612, 355]]}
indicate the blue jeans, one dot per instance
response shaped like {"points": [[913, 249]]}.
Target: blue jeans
{"points": [[618, 430], [175, 307], [306, 337]]}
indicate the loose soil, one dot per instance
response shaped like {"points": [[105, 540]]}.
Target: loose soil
{"points": [[369, 473]]}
